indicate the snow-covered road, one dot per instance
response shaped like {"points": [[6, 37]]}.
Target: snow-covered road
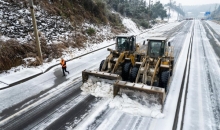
{"points": [[49, 80], [203, 100], [19, 96]]}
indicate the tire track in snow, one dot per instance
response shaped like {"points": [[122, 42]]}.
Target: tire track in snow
{"points": [[215, 39], [213, 87], [100, 118], [107, 122], [28, 115], [196, 110], [199, 87], [181, 37]]}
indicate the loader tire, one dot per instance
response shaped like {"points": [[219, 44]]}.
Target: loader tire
{"points": [[101, 64], [171, 71], [164, 79], [133, 74], [125, 71]]}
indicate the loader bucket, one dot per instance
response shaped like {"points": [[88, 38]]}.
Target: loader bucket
{"points": [[102, 75], [140, 87]]}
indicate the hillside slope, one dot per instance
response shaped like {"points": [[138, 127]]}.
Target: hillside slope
{"points": [[61, 24]]}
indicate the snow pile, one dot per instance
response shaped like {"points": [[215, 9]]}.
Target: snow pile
{"points": [[174, 16], [98, 87], [131, 26], [133, 102], [138, 103]]}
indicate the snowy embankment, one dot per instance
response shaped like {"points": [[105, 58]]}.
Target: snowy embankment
{"points": [[133, 102], [131, 26], [67, 54], [70, 53], [174, 16], [54, 32], [16, 23], [14, 74]]}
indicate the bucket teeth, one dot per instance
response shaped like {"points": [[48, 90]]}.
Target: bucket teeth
{"points": [[103, 75]]}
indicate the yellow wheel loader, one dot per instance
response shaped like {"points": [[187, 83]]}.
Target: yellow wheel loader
{"points": [[119, 62], [152, 73]]}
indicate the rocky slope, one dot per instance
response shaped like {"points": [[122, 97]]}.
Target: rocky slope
{"points": [[56, 33]]}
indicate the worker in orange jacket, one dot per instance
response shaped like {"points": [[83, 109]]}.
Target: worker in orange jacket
{"points": [[63, 64]]}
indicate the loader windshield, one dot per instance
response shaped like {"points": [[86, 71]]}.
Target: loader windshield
{"points": [[156, 48], [124, 44]]}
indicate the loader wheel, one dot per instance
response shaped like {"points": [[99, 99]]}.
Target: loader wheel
{"points": [[133, 74], [164, 79], [101, 64], [125, 71], [171, 72]]}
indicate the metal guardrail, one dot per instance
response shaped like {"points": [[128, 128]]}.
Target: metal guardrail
{"points": [[185, 78], [26, 79]]}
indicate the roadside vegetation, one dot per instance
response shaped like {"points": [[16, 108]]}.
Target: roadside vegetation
{"points": [[96, 12], [216, 14], [138, 10], [175, 7], [14, 53]]}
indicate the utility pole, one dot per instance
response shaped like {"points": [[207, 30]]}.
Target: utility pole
{"points": [[149, 15], [178, 13], [36, 32], [169, 11]]}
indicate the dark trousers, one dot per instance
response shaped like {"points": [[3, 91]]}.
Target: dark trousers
{"points": [[64, 70]]}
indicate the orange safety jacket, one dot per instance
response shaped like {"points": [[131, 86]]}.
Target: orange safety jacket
{"points": [[63, 63]]}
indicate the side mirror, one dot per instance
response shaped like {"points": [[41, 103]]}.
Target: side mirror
{"points": [[168, 43], [144, 43]]}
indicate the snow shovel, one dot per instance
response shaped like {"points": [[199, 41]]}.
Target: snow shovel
{"points": [[140, 87], [98, 74]]}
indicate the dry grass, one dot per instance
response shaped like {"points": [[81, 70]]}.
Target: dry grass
{"points": [[12, 52]]}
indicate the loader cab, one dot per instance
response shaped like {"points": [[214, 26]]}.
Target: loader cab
{"points": [[156, 47], [125, 43]]}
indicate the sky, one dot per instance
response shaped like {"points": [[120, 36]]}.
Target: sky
{"points": [[190, 2]]}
